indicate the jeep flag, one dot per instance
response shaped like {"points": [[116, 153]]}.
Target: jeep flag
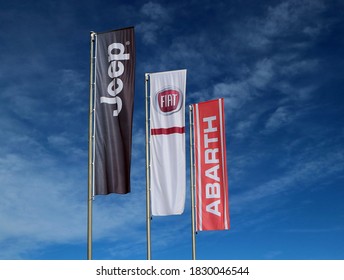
{"points": [[212, 212], [114, 99], [167, 142]]}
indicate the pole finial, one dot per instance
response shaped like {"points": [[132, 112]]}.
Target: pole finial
{"points": [[92, 33]]}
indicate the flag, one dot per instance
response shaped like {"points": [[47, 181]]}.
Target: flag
{"points": [[114, 99], [212, 211], [167, 142]]}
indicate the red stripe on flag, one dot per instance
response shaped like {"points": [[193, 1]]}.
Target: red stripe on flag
{"points": [[167, 131]]}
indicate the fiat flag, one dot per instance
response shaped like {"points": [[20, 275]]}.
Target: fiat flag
{"points": [[167, 142], [212, 212], [114, 99]]}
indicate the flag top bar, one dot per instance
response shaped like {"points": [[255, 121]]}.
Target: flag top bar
{"points": [[113, 30], [164, 72]]}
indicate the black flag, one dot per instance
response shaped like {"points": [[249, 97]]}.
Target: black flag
{"points": [[114, 100]]}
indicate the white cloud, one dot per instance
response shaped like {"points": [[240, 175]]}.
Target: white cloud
{"points": [[149, 32], [236, 94], [44, 202], [155, 11], [262, 74], [245, 126], [154, 18], [59, 140], [280, 117], [283, 20], [71, 86], [298, 177], [299, 66], [239, 93]]}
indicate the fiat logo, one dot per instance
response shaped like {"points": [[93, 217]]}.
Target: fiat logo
{"points": [[168, 101]]}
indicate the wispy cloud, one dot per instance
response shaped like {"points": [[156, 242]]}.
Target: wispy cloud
{"points": [[154, 17], [280, 117], [154, 11], [281, 22], [277, 76], [299, 176], [41, 192], [38, 196]]}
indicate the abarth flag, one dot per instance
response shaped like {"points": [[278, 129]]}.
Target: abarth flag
{"points": [[212, 211], [167, 142], [114, 99]]}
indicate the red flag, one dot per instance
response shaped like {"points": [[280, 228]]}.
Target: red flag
{"points": [[212, 209]]}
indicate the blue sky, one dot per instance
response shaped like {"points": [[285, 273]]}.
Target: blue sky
{"points": [[278, 64]]}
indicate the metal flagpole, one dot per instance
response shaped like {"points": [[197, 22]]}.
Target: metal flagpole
{"points": [[90, 154], [148, 207], [192, 186]]}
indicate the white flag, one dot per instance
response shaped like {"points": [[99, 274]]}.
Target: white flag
{"points": [[167, 142]]}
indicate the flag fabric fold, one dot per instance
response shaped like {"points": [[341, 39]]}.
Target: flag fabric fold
{"points": [[114, 99], [167, 142], [212, 211]]}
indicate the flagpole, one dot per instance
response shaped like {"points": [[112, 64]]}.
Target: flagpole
{"points": [[90, 154], [148, 202], [192, 186]]}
